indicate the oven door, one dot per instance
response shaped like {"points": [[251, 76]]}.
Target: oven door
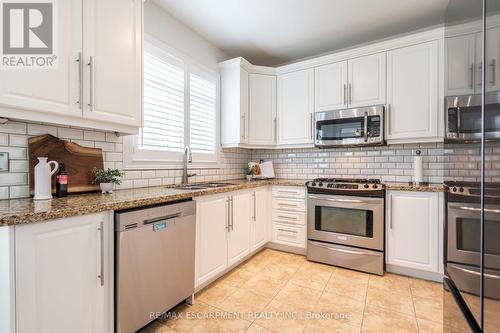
{"points": [[346, 220], [362, 126], [464, 234]]}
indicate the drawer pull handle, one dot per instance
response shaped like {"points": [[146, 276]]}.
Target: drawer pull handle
{"points": [[287, 205], [287, 217], [289, 231]]}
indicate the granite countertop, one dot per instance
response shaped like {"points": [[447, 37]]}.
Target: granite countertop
{"points": [[24, 211]]}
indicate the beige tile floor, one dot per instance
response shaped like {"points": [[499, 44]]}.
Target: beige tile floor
{"points": [[282, 292]]}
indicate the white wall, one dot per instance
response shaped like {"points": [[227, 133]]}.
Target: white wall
{"points": [[177, 35]]}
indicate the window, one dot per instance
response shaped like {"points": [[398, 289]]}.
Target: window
{"points": [[180, 109]]}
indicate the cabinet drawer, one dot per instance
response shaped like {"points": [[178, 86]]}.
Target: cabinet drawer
{"points": [[294, 205], [288, 217], [289, 192], [289, 235]]}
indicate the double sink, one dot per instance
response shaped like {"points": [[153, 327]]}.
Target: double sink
{"points": [[201, 186]]}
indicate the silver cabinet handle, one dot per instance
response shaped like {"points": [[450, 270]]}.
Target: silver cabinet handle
{"points": [[232, 213], [244, 118], [228, 214], [493, 72], [390, 211], [350, 93], [101, 232], [80, 79], [275, 129], [471, 70], [91, 69], [311, 128], [287, 217], [365, 128], [254, 207], [289, 231], [344, 250], [287, 191], [345, 95], [287, 205], [480, 68]]}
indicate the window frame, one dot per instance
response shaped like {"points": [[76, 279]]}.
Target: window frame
{"points": [[136, 158]]}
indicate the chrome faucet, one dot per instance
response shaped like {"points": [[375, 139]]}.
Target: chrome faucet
{"points": [[188, 158]]}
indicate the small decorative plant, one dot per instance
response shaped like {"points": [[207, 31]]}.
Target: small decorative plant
{"points": [[107, 178]]}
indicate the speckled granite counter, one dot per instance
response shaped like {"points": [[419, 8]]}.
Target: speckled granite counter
{"points": [[21, 211], [417, 188]]}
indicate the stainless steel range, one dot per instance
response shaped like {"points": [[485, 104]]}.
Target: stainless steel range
{"points": [[345, 223]]}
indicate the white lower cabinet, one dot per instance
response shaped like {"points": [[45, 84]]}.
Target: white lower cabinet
{"points": [[413, 230], [64, 275], [288, 216], [227, 232]]}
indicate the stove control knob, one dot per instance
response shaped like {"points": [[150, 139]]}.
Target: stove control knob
{"points": [[366, 186], [461, 189], [320, 184], [313, 184], [375, 186], [454, 189]]}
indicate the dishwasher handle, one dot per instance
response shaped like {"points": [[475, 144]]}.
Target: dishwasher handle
{"points": [[161, 218]]}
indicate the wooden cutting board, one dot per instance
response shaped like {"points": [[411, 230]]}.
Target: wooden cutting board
{"points": [[78, 161]]}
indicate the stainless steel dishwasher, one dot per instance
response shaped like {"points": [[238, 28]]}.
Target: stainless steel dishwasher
{"points": [[154, 263]]}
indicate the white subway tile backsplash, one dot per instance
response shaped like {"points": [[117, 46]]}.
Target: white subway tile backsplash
{"points": [[18, 165], [13, 127], [4, 139], [11, 178], [19, 191], [4, 192], [39, 129], [70, 133], [94, 136]]}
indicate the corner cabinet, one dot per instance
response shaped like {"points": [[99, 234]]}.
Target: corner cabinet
{"points": [[64, 275], [414, 235], [413, 93], [296, 108], [98, 80], [262, 110]]}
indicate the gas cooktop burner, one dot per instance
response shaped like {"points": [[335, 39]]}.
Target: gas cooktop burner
{"points": [[344, 184]]}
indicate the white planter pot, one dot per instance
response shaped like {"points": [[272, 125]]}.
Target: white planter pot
{"points": [[106, 187]]}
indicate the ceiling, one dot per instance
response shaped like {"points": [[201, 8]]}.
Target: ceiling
{"points": [[271, 32]]}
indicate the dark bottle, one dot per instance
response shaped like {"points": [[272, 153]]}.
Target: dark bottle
{"points": [[62, 182]]}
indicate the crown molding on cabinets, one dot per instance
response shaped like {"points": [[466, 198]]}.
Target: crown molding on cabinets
{"points": [[471, 27], [246, 65], [383, 46]]}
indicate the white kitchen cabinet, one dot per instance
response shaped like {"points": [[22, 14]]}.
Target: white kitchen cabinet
{"points": [[330, 90], [492, 59], [112, 49], [211, 237], [239, 231], [259, 218], [54, 91], [366, 80], [288, 216], [296, 107], [460, 65], [60, 285], [262, 110], [413, 230], [98, 80], [413, 92]]}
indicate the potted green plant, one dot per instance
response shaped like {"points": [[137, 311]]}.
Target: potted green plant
{"points": [[107, 178]]}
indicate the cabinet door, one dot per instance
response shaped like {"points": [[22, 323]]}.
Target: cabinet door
{"points": [[412, 233], [211, 237], [234, 105], [262, 109], [239, 232], [112, 48], [330, 89], [260, 218], [366, 80], [296, 107], [492, 58], [412, 92], [57, 90], [57, 269], [459, 71]]}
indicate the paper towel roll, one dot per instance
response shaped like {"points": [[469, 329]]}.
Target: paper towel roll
{"points": [[418, 169]]}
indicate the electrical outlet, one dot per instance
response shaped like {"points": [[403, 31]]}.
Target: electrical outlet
{"points": [[4, 161]]}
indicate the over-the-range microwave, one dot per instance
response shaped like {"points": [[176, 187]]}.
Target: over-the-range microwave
{"points": [[350, 127]]}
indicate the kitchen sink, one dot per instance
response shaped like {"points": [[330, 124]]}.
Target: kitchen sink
{"points": [[201, 186]]}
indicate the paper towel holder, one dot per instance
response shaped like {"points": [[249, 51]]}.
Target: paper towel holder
{"points": [[422, 183]]}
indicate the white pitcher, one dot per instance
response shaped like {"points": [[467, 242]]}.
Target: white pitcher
{"points": [[43, 178]]}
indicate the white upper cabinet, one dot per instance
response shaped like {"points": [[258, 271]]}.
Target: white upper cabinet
{"points": [[412, 92], [366, 80], [98, 80], [412, 233], [112, 49], [262, 110], [492, 59], [460, 65], [296, 107], [331, 87], [54, 91]]}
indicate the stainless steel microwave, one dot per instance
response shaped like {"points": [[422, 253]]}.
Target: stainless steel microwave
{"points": [[463, 117], [350, 127]]}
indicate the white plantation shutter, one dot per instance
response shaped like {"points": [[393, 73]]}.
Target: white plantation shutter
{"points": [[202, 114], [163, 105]]}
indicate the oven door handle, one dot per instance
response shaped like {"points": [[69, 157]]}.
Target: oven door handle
{"points": [[470, 271], [474, 209], [340, 200], [343, 250]]}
